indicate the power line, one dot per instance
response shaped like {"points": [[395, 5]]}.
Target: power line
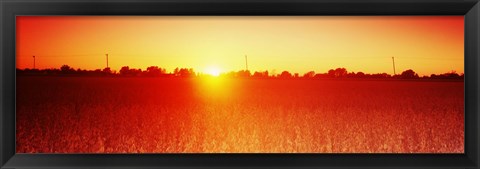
{"points": [[393, 59]]}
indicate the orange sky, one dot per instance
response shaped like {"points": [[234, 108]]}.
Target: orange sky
{"points": [[426, 44]]}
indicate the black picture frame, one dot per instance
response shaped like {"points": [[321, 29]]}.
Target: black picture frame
{"points": [[9, 9]]}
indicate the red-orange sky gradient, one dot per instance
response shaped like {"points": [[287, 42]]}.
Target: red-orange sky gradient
{"points": [[426, 44]]}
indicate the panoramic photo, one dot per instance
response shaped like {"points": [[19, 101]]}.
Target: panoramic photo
{"points": [[240, 84]]}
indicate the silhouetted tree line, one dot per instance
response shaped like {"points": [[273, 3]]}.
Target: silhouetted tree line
{"points": [[155, 71], [66, 70]]}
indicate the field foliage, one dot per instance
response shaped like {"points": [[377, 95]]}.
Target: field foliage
{"points": [[191, 115]]}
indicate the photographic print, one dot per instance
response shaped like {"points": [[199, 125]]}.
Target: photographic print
{"points": [[240, 84]]}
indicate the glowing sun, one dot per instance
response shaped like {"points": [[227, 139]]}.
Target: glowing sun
{"points": [[213, 71]]}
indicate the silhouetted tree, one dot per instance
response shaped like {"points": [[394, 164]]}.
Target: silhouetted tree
{"points": [[243, 73], [340, 72], [176, 72], [380, 75], [189, 72], [231, 74], [360, 75], [449, 75], [107, 70], [135, 72], [331, 73], [409, 74], [125, 71], [97, 72], [184, 72], [310, 74], [351, 75], [260, 74], [285, 74], [154, 71], [67, 69], [322, 75]]}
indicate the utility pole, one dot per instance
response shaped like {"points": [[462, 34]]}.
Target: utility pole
{"points": [[393, 59], [246, 63], [33, 62], [107, 59]]}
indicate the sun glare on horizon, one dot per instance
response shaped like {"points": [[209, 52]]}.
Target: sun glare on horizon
{"points": [[213, 71]]}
